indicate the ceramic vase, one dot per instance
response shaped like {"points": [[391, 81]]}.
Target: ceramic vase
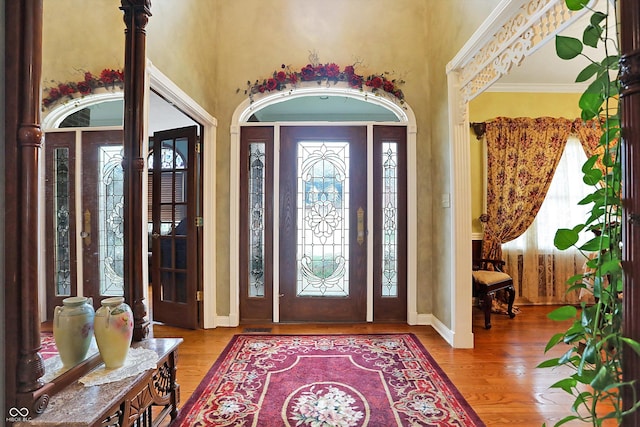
{"points": [[113, 328], [73, 329]]}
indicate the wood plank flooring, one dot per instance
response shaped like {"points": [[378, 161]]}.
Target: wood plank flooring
{"points": [[498, 377]]}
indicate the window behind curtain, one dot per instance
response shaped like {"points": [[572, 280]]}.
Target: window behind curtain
{"points": [[540, 270]]}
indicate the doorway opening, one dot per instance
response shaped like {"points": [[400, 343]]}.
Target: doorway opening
{"points": [[326, 226], [72, 226]]}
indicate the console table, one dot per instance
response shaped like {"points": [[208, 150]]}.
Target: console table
{"points": [[144, 399]]}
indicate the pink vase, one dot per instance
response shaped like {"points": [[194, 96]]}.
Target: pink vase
{"points": [[113, 329]]}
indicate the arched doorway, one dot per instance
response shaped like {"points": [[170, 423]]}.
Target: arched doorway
{"points": [[169, 107], [300, 111]]}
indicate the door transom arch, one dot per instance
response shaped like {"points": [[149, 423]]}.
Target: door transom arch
{"points": [[244, 115]]}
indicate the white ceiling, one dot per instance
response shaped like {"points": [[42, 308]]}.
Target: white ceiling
{"points": [[163, 115]]}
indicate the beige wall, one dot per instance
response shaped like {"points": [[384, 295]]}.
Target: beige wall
{"points": [[449, 25], [210, 48], [181, 44], [74, 41], [494, 104]]}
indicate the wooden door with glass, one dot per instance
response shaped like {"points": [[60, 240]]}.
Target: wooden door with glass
{"points": [[174, 182], [326, 266], [85, 243]]}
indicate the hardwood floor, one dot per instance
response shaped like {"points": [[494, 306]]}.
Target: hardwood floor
{"points": [[498, 377]]}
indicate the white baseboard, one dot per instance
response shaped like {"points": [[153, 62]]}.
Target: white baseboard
{"points": [[225, 322], [414, 319], [442, 329], [423, 319]]}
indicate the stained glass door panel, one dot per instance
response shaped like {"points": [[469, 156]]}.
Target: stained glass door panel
{"points": [[61, 271], [101, 222], [322, 224], [256, 219], [390, 223]]}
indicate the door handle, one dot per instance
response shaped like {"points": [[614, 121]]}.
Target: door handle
{"points": [[360, 222], [155, 235], [86, 228]]}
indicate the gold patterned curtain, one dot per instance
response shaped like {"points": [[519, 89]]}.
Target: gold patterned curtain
{"points": [[540, 270], [589, 134], [522, 154]]}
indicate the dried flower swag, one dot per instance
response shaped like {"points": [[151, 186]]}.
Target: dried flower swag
{"points": [[108, 78], [329, 73]]}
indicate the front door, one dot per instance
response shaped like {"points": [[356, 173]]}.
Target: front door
{"points": [[323, 201], [304, 239], [174, 177], [96, 259], [102, 214]]}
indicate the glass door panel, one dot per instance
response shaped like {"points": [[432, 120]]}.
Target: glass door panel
{"points": [[110, 220], [101, 222], [323, 200], [256, 224], [323, 219], [61, 274], [389, 224]]}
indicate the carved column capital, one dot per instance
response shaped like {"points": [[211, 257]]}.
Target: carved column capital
{"points": [[139, 9], [136, 5]]}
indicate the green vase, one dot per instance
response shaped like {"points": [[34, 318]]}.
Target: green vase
{"points": [[73, 329], [113, 328]]}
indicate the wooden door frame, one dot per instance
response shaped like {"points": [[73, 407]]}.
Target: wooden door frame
{"points": [[406, 118]]}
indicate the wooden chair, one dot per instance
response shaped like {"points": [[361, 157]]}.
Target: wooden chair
{"points": [[488, 278]]}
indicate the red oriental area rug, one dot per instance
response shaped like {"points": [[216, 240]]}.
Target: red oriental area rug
{"points": [[48, 347], [377, 380]]}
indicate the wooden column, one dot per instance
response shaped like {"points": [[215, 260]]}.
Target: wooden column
{"points": [[22, 163], [630, 104], [136, 16]]}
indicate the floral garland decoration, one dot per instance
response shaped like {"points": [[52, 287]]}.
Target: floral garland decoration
{"points": [[329, 73], [108, 78]]}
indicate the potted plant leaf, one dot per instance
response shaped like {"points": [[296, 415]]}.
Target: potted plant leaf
{"points": [[593, 343]]}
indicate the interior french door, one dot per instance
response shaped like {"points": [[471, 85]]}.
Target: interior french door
{"points": [[174, 183]]}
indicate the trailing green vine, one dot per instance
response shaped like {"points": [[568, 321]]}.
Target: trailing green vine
{"points": [[595, 338]]}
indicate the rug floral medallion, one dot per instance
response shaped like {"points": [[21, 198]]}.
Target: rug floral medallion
{"points": [[326, 380]]}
